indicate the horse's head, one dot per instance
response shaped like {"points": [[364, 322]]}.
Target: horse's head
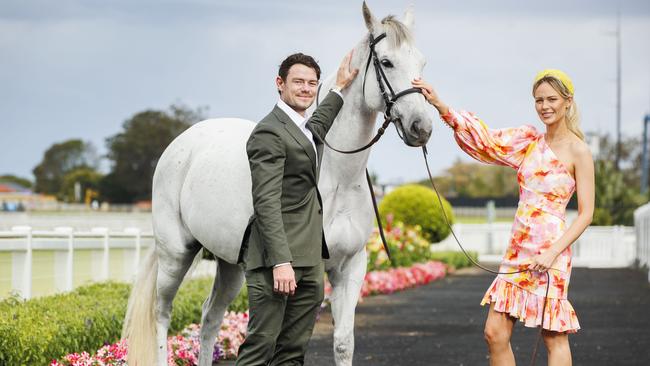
{"points": [[396, 62]]}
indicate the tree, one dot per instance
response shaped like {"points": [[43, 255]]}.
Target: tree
{"points": [[617, 191], [22, 182], [631, 156], [87, 178], [472, 179], [60, 159], [135, 151]]}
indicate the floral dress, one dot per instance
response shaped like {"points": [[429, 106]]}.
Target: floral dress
{"points": [[545, 187]]}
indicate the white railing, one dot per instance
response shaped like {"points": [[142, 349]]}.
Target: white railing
{"points": [[36, 262], [597, 247], [59, 260], [84, 221], [642, 228], [484, 212]]}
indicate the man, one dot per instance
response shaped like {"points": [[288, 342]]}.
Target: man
{"points": [[284, 245]]}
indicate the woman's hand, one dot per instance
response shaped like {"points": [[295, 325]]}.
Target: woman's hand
{"points": [[430, 95], [542, 262]]}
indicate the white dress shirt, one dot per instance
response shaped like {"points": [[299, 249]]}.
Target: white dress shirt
{"points": [[300, 121]]}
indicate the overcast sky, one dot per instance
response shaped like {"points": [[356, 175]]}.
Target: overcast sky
{"points": [[79, 69]]}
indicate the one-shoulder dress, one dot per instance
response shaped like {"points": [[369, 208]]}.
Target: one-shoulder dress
{"points": [[545, 187]]}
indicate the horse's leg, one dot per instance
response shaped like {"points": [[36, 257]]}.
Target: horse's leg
{"points": [[172, 267], [346, 288], [227, 283]]}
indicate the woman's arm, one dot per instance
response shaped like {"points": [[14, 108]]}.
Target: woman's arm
{"points": [[584, 176], [506, 146]]}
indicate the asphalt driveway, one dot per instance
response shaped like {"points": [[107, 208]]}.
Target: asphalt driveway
{"points": [[442, 323]]}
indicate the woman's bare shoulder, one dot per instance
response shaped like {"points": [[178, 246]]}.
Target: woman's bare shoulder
{"points": [[580, 149]]}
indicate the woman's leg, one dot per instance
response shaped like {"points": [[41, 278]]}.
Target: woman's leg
{"points": [[498, 329], [557, 344]]}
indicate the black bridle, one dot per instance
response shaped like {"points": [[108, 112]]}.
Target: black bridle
{"points": [[382, 80], [389, 99]]}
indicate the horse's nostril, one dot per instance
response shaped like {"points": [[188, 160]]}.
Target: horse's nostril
{"points": [[415, 127]]}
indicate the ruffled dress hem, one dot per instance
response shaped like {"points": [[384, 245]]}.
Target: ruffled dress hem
{"points": [[527, 307]]}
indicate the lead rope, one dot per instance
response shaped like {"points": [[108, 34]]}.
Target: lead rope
{"points": [[444, 214], [377, 216]]}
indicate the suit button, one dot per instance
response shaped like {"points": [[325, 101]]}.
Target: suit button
{"points": [[320, 211]]}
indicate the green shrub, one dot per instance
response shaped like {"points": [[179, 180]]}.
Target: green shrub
{"points": [[454, 259], [37, 331], [414, 205]]}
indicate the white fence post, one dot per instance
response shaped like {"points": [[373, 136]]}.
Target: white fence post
{"points": [[26, 291], [69, 267], [642, 230]]}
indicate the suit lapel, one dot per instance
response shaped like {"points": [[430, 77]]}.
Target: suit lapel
{"points": [[297, 134]]}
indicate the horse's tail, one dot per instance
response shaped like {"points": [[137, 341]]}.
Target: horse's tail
{"points": [[140, 322]]}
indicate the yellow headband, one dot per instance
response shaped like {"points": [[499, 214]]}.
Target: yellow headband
{"points": [[560, 75]]}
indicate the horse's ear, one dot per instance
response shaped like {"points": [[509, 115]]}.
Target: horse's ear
{"points": [[409, 17], [371, 22]]}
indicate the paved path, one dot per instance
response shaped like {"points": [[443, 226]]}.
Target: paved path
{"points": [[442, 324]]}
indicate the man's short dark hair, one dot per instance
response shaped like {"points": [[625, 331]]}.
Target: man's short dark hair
{"points": [[298, 58]]}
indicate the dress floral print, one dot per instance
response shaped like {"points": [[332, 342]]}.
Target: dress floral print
{"points": [[545, 187]]}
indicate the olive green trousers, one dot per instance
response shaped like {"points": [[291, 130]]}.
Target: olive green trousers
{"points": [[280, 326]]}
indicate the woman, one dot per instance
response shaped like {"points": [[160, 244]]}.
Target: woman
{"points": [[550, 167]]}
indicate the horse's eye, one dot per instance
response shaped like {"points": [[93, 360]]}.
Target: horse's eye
{"points": [[386, 63]]}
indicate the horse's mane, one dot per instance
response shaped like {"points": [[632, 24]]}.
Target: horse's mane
{"points": [[396, 31]]}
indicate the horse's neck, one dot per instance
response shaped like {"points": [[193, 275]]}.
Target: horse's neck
{"points": [[353, 128]]}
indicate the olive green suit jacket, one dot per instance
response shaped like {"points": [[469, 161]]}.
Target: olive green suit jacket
{"points": [[287, 224]]}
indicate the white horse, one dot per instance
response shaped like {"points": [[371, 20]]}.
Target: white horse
{"points": [[202, 198]]}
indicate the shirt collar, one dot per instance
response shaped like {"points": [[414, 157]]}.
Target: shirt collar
{"points": [[293, 115]]}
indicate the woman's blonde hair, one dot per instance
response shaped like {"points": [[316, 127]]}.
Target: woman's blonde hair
{"points": [[572, 115]]}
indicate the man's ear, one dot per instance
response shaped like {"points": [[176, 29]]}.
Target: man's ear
{"points": [[279, 83]]}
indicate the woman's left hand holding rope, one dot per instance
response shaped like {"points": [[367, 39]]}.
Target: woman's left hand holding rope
{"points": [[543, 261]]}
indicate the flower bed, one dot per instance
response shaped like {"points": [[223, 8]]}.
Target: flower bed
{"points": [[407, 246], [183, 349], [396, 279]]}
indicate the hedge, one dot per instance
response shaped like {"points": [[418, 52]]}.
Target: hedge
{"points": [[36, 331]]}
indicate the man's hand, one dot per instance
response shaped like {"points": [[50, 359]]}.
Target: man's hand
{"points": [[346, 74], [284, 280]]}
